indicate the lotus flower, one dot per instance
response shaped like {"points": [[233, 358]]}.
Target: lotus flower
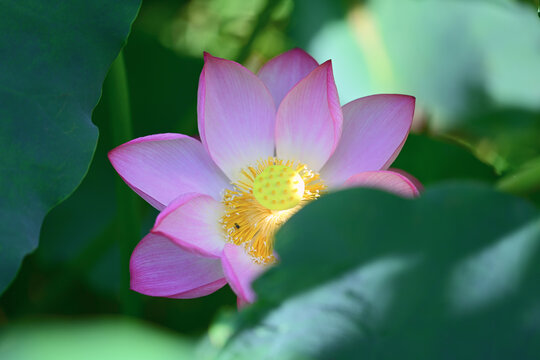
{"points": [[270, 143]]}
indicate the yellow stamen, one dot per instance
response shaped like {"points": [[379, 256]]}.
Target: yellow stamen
{"points": [[252, 217]]}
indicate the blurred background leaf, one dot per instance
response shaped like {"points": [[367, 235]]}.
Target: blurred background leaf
{"points": [[433, 160], [54, 59], [425, 279], [105, 338], [471, 64]]}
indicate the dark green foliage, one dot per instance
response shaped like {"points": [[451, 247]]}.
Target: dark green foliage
{"points": [[54, 59]]}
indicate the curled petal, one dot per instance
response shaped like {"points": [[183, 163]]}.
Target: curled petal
{"points": [[281, 73], [159, 267], [161, 167], [236, 115], [192, 222], [409, 177], [374, 130], [390, 181], [240, 271], [309, 119]]}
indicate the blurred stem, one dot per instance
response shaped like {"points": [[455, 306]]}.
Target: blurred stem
{"points": [[524, 181], [128, 220], [116, 90], [262, 21]]}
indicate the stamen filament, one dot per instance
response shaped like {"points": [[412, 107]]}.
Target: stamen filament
{"points": [[246, 222]]}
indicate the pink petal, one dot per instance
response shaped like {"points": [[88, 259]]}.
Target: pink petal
{"points": [[284, 71], [236, 115], [240, 271], [162, 167], [384, 180], [409, 177], [192, 222], [374, 130], [309, 119], [159, 267]]}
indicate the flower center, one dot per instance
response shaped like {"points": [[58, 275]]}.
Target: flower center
{"points": [[266, 196], [278, 187]]}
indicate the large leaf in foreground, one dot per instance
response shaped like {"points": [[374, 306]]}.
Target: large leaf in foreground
{"points": [[364, 274], [54, 59]]}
